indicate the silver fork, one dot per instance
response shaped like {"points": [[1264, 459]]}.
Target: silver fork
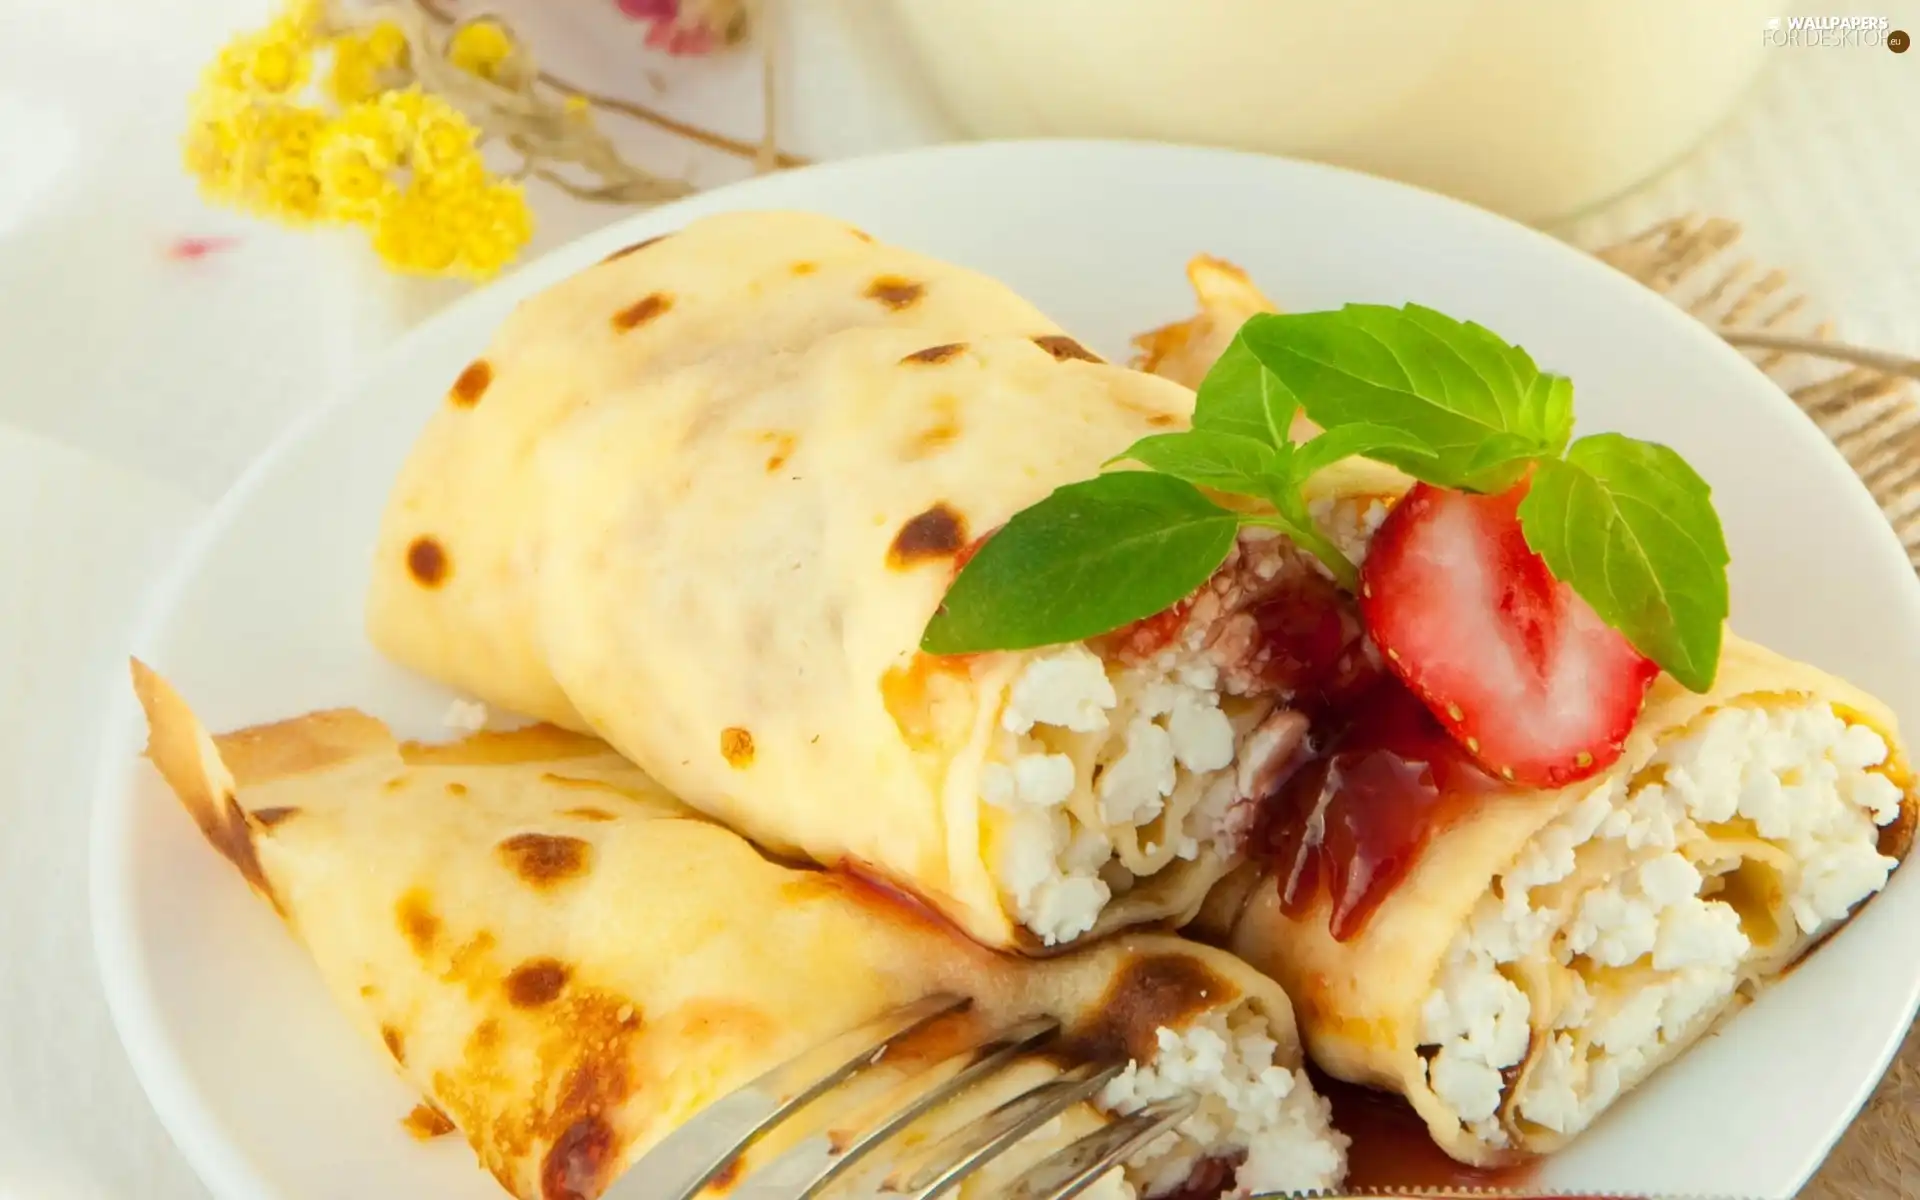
{"points": [[707, 1148]]}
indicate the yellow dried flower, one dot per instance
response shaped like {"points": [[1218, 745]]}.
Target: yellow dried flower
{"points": [[303, 19], [279, 67], [277, 62], [355, 76], [409, 235], [258, 156], [387, 43], [404, 163], [493, 229], [440, 138], [482, 48], [351, 161], [470, 232], [366, 63]]}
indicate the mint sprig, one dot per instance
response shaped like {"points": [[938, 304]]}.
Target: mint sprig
{"points": [[1096, 555], [1627, 524], [1631, 527], [1086, 560], [1479, 408]]}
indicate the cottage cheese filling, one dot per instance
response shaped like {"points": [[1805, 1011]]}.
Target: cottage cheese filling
{"points": [[1109, 770], [1633, 920], [1103, 778], [1251, 1109]]}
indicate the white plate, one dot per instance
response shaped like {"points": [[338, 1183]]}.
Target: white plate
{"points": [[271, 1094]]}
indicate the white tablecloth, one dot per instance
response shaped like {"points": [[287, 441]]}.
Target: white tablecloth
{"points": [[138, 387]]}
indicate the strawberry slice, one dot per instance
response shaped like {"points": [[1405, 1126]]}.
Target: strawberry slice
{"points": [[1520, 670]]}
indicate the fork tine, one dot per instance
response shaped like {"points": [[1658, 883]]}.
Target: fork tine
{"points": [[991, 1052], [692, 1156], [1066, 1173], [965, 1151]]}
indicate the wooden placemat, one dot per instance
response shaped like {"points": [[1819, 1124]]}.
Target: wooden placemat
{"points": [[1874, 419]]}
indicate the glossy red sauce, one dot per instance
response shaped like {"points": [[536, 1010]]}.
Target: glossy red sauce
{"points": [[1312, 645], [1353, 820], [1210, 1179], [1391, 1146]]}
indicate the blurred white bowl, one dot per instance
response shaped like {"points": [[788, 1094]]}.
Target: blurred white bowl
{"points": [[1534, 108]]}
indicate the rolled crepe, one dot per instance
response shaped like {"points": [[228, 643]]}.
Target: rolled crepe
{"points": [[458, 546], [567, 964], [715, 538], [1547, 951]]}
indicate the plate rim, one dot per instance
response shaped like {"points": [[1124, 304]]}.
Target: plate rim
{"points": [[120, 956]]}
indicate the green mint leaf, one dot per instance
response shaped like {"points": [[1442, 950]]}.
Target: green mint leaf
{"points": [[1088, 559], [1549, 406], [1476, 403], [1350, 441], [1243, 398], [1500, 462], [1225, 462], [1631, 528]]}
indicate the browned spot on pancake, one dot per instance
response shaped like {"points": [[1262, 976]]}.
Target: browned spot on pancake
{"points": [[468, 964], [736, 746], [896, 293], [545, 859], [536, 982], [482, 1042], [426, 1122], [804, 268], [938, 532], [939, 433], [427, 561], [1162, 420], [935, 354], [395, 784], [1063, 348], [368, 991], [581, 1162], [642, 244], [396, 1043], [588, 814], [862, 234], [571, 1060], [641, 311], [724, 1179], [1151, 991], [269, 817], [417, 921], [782, 444], [472, 384], [456, 789]]}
